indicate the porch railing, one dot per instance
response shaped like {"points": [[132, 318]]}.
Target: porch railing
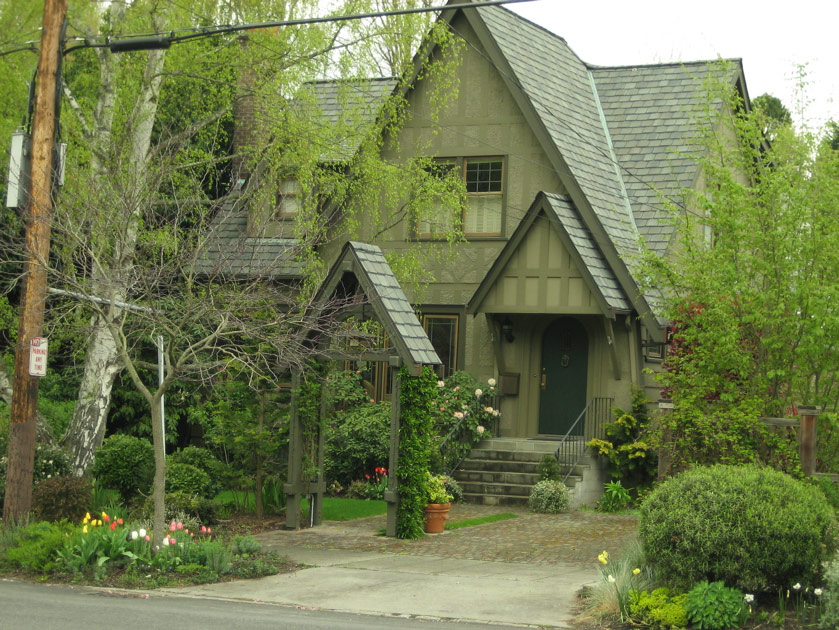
{"points": [[588, 425]]}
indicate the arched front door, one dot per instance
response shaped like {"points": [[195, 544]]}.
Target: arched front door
{"points": [[563, 377]]}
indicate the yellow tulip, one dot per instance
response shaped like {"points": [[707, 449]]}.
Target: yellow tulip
{"points": [[84, 529]]}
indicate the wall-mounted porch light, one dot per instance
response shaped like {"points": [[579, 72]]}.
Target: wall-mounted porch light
{"points": [[507, 330]]}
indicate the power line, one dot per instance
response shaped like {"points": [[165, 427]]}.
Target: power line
{"points": [[162, 40]]}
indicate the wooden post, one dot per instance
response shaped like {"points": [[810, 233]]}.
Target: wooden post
{"points": [[293, 488], [807, 444], [392, 494], [22, 428], [664, 458]]}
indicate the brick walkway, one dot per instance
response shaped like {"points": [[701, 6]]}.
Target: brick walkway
{"points": [[572, 538]]}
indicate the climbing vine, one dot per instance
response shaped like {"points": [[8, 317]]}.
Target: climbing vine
{"points": [[415, 430]]}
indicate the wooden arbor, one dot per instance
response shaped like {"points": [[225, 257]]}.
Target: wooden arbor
{"points": [[362, 279]]}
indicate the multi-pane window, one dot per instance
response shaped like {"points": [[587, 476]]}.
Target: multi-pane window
{"points": [[442, 330], [288, 197], [483, 179]]}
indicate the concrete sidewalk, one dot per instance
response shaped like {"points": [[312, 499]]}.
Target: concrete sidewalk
{"points": [[423, 586]]}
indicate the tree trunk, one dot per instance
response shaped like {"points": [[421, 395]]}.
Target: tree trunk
{"points": [[102, 363], [87, 427]]}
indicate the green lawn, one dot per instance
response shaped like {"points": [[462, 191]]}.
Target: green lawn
{"points": [[334, 508]]}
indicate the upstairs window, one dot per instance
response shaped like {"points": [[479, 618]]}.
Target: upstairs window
{"points": [[483, 180], [288, 198]]}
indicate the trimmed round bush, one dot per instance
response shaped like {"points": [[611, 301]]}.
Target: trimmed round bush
{"points": [[750, 527], [126, 464], [204, 460], [188, 479], [549, 497]]}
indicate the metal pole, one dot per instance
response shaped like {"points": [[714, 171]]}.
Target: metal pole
{"points": [[160, 377]]}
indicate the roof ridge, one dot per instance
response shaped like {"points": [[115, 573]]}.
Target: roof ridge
{"points": [[696, 62]]}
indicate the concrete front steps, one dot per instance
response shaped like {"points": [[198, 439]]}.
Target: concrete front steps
{"points": [[502, 471]]}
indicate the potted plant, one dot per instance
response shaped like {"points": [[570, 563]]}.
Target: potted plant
{"points": [[439, 504]]}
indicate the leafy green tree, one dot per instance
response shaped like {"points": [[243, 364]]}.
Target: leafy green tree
{"points": [[776, 114], [750, 288]]}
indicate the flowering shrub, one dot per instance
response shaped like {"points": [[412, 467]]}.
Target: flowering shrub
{"points": [[631, 458], [462, 408], [371, 487]]}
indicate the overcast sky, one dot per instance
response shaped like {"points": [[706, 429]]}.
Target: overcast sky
{"points": [[770, 42]]}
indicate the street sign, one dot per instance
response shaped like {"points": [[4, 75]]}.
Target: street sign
{"points": [[38, 356]]}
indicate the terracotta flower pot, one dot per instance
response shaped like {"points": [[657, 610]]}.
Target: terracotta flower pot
{"points": [[436, 515]]}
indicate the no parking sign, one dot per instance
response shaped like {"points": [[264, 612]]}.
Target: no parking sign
{"points": [[38, 356]]}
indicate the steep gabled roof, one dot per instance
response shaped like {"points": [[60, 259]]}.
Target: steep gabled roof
{"points": [[561, 98], [392, 309], [577, 240], [651, 113]]}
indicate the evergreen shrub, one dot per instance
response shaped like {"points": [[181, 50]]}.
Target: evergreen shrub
{"points": [[189, 479], [64, 497], [751, 527], [126, 464], [204, 460], [549, 468], [357, 443], [35, 546], [549, 497]]}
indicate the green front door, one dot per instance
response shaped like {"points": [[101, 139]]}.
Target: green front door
{"points": [[563, 378]]}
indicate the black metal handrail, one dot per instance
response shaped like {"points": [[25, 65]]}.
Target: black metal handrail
{"points": [[572, 446]]}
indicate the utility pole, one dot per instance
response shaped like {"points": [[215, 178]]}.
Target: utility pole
{"points": [[18, 499]]}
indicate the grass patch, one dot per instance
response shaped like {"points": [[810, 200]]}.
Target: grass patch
{"points": [[334, 508], [480, 520], [338, 509]]}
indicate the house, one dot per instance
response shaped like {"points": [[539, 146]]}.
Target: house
{"points": [[570, 169]]}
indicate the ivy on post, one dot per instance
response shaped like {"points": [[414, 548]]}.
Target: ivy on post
{"points": [[361, 276]]}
